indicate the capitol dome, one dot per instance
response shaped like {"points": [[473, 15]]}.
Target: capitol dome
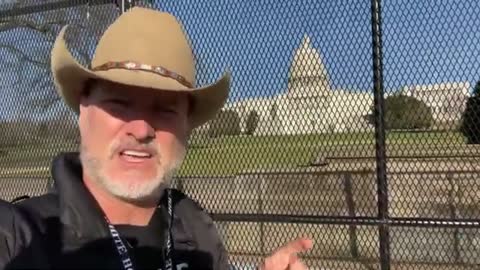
{"points": [[307, 75]]}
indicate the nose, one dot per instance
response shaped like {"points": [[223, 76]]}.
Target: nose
{"points": [[141, 130]]}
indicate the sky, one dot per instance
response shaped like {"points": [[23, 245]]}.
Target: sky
{"points": [[424, 42]]}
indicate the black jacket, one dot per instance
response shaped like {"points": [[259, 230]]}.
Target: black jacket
{"points": [[66, 229]]}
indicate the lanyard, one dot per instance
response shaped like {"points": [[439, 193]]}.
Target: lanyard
{"points": [[123, 251]]}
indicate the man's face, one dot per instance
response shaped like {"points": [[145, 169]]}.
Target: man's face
{"points": [[132, 139]]}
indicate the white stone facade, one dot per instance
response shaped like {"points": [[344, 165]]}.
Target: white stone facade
{"points": [[310, 105], [446, 100]]}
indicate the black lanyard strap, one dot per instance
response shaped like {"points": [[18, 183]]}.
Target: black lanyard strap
{"points": [[123, 251], [168, 252], [121, 248]]}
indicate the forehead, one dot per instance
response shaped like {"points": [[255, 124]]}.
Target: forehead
{"points": [[103, 89]]}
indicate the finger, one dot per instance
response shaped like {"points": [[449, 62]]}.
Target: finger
{"points": [[281, 258], [296, 246], [297, 265], [293, 259], [275, 263]]}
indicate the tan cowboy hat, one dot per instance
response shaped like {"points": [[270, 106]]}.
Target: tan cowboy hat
{"points": [[145, 48]]}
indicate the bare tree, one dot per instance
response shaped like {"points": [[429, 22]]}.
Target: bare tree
{"points": [[25, 46]]}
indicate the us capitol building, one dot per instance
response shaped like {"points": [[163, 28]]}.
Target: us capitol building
{"points": [[310, 105]]}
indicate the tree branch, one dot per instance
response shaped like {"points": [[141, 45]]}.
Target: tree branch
{"points": [[7, 24], [41, 28], [23, 56]]}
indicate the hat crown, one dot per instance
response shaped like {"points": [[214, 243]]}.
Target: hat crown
{"points": [[147, 37]]}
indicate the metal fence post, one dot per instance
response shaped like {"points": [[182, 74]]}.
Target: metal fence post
{"points": [[352, 230], [382, 188], [261, 211], [452, 194], [127, 4]]}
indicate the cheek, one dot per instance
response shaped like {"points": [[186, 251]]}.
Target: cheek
{"points": [[84, 124], [97, 131], [169, 144]]}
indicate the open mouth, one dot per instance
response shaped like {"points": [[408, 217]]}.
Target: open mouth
{"points": [[136, 154]]}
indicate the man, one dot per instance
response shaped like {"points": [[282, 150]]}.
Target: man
{"points": [[111, 208]]}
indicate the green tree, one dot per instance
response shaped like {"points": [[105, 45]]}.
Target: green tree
{"points": [[406, 112], [470, 122], [227, 122], [252, 122]]}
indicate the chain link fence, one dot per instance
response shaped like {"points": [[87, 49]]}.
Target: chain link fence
{"points": [[353, 122]]}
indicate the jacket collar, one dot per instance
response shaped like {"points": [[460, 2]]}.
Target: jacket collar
{"points": [[78, 208]]}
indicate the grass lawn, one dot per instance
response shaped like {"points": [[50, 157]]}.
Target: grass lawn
{"points": [[230, 155], [234, 154]]}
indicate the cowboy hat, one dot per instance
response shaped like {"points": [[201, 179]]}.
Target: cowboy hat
{"points": [[144, 48]]}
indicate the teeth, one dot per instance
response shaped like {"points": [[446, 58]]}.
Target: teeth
{"points": [[136, 153]]}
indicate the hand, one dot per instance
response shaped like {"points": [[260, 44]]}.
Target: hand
{"points": [[286, 256]]}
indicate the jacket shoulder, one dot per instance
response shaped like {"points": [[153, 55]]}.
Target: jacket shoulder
{"points": [[20, 242], [8, 227], [44, 205], [190, 210], [40, 209], [15, 229], [199, 226]]}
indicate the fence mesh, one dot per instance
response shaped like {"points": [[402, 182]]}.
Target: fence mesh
{"points": [[294, 150]]}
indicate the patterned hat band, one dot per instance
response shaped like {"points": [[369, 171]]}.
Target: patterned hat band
{"points": [[130, 65]]}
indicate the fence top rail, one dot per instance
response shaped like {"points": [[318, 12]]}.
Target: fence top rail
{"points": [[31, 9], [348, 220], [341, 172]]}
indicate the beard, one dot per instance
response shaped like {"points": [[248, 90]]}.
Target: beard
{"points": [[127, 186]]}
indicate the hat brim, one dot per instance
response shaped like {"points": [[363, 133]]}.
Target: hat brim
{"points": [[70, 76]]}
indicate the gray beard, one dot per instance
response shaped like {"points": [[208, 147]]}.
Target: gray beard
{"points": [[144, 191]]}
